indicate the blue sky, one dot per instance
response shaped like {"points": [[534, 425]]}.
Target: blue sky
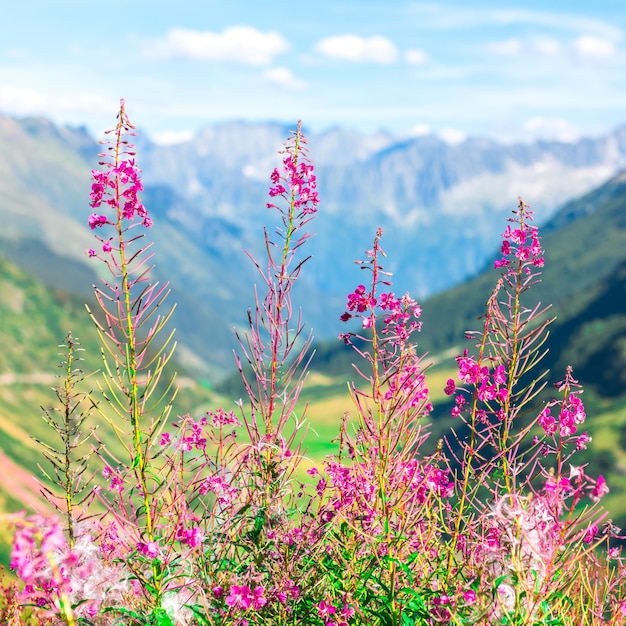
{"points": [[510, 70]]}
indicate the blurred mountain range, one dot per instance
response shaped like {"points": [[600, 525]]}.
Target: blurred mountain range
{"points": [[441, 207]]}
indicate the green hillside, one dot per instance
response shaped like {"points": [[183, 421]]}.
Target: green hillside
{"points": [[34, 320], [45, 177], [584, 245]]}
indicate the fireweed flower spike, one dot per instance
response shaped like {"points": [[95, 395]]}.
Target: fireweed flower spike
{"points": [[510, 345], [129, 321], [254, 520], [272, 339], [379, 486], [527, 544]]}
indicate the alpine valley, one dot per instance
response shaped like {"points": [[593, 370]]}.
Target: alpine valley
{"points": [[441, 207]]}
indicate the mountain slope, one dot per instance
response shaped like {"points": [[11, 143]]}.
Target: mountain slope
{"points": [[594, 338], [441, 207], [34, 321], [44, 204], [584, 279], [584, 245], [431, 198]]}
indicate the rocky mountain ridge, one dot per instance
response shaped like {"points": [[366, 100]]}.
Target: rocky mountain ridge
{"points": [[441, 207]]}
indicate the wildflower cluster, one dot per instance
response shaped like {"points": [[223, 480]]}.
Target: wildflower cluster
{"points": [[296, 184], [521, 242], [399, 315], [125, 174], [571, 412], [41, 559], [118, 187], [332, 615], [212, 521], [354, 489], [491, 388]]}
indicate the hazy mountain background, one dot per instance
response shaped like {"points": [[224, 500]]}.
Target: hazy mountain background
{"points": [[441, 206]]}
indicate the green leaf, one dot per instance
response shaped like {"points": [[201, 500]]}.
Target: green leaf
{"points": [[161, 618]]}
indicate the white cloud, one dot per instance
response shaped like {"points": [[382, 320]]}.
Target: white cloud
{"points": [[508, 47], [239, 44], [283, 77], [21, 99], [415, 57], [452, 136], [26, 101], [438, 16], [550, 129], [586, 46], [590, 47], [419, 130], [542, 46], [359, 49], [170, 138], [562, 21]]}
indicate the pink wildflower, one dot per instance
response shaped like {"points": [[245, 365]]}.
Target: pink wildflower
{"points": [[469, 596], [325, 609], [591, 534], [190, 536], [149, 549], [297, 184], [521, 243], [96, 221], [582, 441], [42, 559], [222, 418], [165, 439], [600, 489], [360, 300], [118, 187], [242, 597], [224, 492], [547, 422]]}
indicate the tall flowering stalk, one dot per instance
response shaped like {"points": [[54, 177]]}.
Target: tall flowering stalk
{"points": [[519, 528], [274, 347], [497, 388], [128, 320], [273, 358], [379, 487], [70, 463]]}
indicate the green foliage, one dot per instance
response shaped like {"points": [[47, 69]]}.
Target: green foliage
{"points": [[33, 321]]}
